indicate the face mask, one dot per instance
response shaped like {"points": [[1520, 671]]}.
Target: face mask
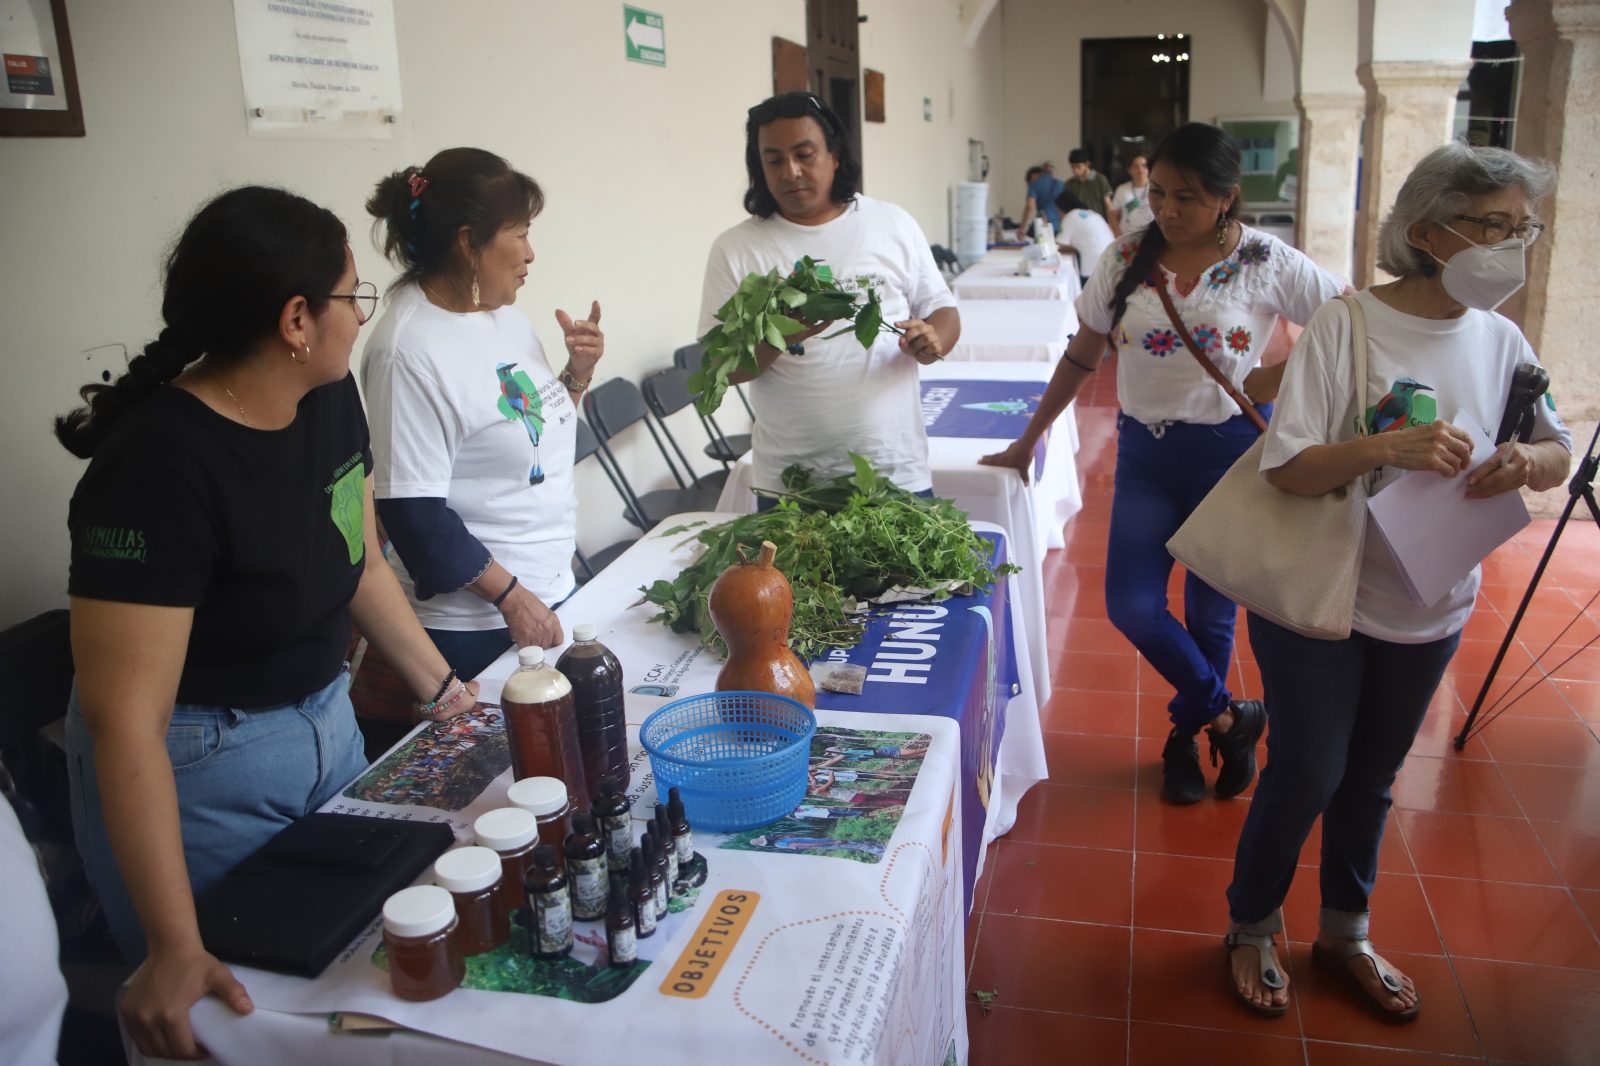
{"points": [[1485, 275]]}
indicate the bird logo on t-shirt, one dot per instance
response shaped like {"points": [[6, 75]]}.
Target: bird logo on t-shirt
{"points": [[1402, 407], [519, 399]]}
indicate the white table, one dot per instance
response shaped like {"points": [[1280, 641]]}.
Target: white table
{"points": [[996, 279], [913, 893], [1014, 331]]}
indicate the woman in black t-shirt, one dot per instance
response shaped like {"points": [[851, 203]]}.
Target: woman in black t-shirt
{"points": [[219, 542]]}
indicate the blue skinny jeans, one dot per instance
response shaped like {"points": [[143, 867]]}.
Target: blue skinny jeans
{"points": [[1159, 483], [1341, 716]]}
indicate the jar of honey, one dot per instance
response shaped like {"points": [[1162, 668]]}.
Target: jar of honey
{"points": [[472, 876], [546, 799], [419, 931], [511, 833]]}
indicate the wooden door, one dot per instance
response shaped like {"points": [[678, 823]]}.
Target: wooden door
{"points": [[834, 60]]}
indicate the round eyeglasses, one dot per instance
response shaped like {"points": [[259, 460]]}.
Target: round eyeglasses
{"points": [[364, 299], [1496, 230]]}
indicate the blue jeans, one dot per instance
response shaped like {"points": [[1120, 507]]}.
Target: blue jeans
{"points": [[1159, 483], [470, 651], [1341, 716], [241, 777]]}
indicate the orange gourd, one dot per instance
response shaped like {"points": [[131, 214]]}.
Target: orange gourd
{"points": [[751, 604]]}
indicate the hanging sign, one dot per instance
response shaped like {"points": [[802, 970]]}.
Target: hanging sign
{"points": [[644, 36]]}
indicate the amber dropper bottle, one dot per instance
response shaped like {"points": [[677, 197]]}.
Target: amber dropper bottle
{"points": [[621, 938], [641, 895], [664, 842]]}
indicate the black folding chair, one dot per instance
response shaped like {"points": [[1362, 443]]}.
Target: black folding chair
{"points": [[688, 357], [590, 565], [666, 392], [612, 408]]}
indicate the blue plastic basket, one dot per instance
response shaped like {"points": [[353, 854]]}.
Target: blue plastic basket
{"points": [[738, 759]]}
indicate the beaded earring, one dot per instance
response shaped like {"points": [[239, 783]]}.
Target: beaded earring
{"points": [[475, 302], [1222, 230]]}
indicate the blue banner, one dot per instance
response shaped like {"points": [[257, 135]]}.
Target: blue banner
{"points": [[997, 409], [953, 658]]}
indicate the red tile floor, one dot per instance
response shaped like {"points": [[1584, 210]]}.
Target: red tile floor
{"points": [[1097, 925]]}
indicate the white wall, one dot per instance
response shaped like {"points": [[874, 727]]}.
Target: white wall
{"points": [[1042, 62], [641, 167], [1409, 31]]}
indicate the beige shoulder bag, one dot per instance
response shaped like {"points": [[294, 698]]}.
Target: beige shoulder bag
{"points": [[1294, 560]]}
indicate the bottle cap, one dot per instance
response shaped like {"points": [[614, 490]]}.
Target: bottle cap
{"points": [[608, 785], [582, 822], [675, 805], [538, 795], [531, 656], [663, 822], [647, 844], [544, 856], [636, 865], [418, 911], [467, 869], [506, 829], [619, 894], [584, 631]]}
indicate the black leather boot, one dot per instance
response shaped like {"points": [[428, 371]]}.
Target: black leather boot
{"points": [[1237, 747]]}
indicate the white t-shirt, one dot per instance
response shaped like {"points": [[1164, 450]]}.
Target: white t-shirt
{"points": [[1134, 205], [1087, 232], [436, 385], [1231, 313], [1418, 370], [816, 408], [32, 992]]}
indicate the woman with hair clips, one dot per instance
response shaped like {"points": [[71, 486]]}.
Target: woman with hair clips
{"points": [[1180, 431], [220, 538], [1345, 712], [472, 430], [820, 399]]}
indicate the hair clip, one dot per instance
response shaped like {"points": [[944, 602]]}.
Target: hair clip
{"points": [[418, 183]]}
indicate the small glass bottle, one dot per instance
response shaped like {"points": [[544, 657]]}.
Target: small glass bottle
{"points": [[419, 931], [641, 895], [682, 834], [612, 811], [652, 865], [668, 850], [621, 939], [546, 799], [511, 833], [586, 869], [472, 876], [549, 906]]}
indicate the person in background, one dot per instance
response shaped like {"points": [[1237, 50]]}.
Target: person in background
{"points": [[33, 994], [1344, 713], [1130, 203], [1043, 188], [1179, 431], [820, 399], [1089, 185], [472, 430], [220, 540], [1083, 233]]}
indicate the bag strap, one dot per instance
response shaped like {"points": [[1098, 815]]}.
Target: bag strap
{"points": [[1358, 358], [1206, 364]]}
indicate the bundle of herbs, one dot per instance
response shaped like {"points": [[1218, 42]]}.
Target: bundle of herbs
{"points": [[839, 541], [770, 308]]}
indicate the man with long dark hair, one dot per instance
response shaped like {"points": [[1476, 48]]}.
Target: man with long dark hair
{"points": [[822, 398]]}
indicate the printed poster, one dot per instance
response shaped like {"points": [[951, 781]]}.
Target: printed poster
{"points": [[318, 68], [32, 58]]}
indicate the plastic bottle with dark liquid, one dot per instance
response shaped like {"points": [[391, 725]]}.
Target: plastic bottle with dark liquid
{"points": [[596, 678], [541, 728]]}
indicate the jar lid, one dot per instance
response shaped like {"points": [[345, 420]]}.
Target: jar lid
{"points": [[467, 869], [421, 910], [506, 829], [531, 656], [584, 631], [538, 795]]}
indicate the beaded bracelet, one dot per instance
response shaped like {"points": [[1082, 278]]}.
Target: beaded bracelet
{"points": [[455, 689], [444, 686]]}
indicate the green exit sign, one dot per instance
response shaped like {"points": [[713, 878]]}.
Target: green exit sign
{"points": [[644, 36]]}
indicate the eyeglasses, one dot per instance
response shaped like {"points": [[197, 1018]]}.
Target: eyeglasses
{"points": [[1496, 230], [364, 300]]}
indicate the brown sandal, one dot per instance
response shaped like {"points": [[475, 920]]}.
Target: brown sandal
{"points": [[1271, 972], [1337, 962]]}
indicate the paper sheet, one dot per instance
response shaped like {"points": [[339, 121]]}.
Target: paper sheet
{"points": [[1435, 533]]}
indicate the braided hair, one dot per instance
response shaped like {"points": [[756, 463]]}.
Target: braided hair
{"points": [[1206, 155], [241, 258]]}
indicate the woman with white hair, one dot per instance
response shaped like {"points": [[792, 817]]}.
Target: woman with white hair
{"points": [[1343, 714]]}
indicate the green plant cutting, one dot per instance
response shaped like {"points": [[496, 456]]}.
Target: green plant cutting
{"points": [[840, 540], [770, 308]]}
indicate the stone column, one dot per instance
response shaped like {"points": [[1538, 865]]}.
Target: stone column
{"points": [[1411, 109], [1330, 143], [1558, 118]]}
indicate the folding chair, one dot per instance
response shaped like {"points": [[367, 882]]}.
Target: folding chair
{"points": [[612, 408], [666, 392], [688, 357], [590, 565]]}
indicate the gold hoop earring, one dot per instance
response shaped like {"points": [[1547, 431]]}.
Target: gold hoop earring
{"points": [[1222, 230], [297, 359], [475, 301]]}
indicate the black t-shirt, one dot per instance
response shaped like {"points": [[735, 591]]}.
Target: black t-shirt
{"points": [[260, 531]]}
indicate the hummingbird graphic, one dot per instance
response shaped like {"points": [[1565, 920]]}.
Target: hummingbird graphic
{"points": [[528, 409], [1394, 410], [1004, 407]]}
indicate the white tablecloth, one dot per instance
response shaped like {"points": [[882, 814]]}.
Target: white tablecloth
{"points": [[996, 279], [1014, 331], [811, 909]]}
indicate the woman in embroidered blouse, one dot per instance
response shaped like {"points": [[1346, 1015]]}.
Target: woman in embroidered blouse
{"points": [[1179, 431]]}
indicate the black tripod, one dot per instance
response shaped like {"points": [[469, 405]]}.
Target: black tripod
{"points": [[1581, 487]]}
